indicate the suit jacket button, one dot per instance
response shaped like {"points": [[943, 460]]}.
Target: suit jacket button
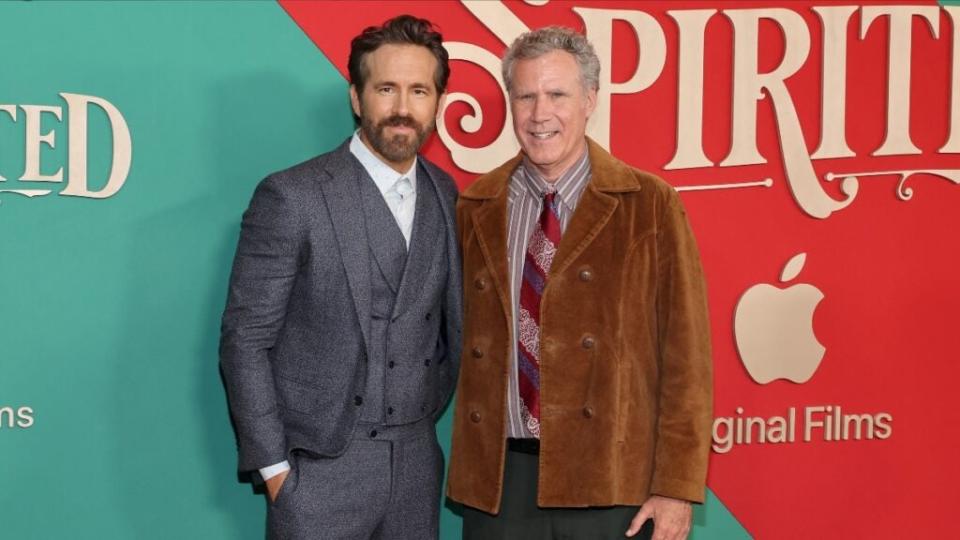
{"points": [[373, 434], [475, 417], [357, 400], [588, 342], [426, 362], [428, 316], [477, 352], [588, 412], [390, 364], [480, 284], [586, 274], [389, 410]]}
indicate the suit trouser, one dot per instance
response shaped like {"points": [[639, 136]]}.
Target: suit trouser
{"points": [[386, 486], [521, 519]]}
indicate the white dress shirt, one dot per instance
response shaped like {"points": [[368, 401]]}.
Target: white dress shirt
{"points": [[399, 191]]}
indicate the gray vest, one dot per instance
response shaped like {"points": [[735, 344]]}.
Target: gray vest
{"points": [[406, 295]]}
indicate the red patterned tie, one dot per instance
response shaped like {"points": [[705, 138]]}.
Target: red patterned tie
{"points": [[536, 267]]}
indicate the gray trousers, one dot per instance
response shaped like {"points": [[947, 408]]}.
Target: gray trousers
{"points": [[386, 486], [521, 519]]}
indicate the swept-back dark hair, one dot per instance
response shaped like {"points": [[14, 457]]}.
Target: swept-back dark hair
{"points": [[400, 30]]}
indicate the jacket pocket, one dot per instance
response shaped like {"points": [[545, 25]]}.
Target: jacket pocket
{"points": [[297, 396]]}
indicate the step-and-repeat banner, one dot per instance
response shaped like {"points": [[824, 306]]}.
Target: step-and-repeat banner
{"points": [[816, 146]]}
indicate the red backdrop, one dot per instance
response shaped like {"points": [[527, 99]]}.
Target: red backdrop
{"points": [[885, 266]]}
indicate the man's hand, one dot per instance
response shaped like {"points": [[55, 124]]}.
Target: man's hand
{"points": [[274, 483], [671, 518]]}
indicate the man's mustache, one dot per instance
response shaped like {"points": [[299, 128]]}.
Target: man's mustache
{"points": [[400, 121]]}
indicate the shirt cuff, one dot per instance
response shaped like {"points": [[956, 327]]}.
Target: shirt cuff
{"points": [[269, 472]]}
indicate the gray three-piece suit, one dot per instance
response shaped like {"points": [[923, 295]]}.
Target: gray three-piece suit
{"points": [[340, 348]]}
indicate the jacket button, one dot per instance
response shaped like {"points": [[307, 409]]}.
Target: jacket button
{"points": [[357, 400], [477, 352], [588, 342], [428, 316], [586, 274], [588, 412], [373, 434], [390, 364], [389, 410], [475, 417], [480, 284], [426, 362]]}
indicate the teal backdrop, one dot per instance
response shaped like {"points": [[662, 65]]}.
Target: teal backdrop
{"points": [[110, 309]]}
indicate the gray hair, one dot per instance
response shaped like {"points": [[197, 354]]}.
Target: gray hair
{"points": [[539, 42]]}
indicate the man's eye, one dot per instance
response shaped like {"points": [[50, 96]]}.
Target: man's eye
{"points": [[385, 90]]}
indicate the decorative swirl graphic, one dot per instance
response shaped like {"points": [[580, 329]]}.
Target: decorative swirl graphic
{"points": [[904, 193], [476, 160]]}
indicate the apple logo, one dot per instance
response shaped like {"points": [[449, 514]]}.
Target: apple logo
{"points": [[773, 328]]}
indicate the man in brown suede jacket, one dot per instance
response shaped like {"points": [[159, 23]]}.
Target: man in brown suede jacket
{"points": [[584, 401]]}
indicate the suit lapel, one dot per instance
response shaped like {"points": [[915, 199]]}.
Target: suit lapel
{"points": [[592, 214], [341, 191], [490, 224]]}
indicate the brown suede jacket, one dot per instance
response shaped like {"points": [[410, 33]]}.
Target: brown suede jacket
{"points": [[625, 375]]}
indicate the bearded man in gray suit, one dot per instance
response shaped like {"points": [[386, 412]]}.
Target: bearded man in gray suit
{"points": [[341, 335]]}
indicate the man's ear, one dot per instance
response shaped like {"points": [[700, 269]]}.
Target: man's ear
{"points": [[441, 103], [354, 100], [591, 101]]}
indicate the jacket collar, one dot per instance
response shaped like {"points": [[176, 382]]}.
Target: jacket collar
{"points": [[608, 174]]}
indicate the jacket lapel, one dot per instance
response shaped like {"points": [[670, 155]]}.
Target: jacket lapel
{"points": [[608, 177], [490, 224], [592, 214], [341, 191]]}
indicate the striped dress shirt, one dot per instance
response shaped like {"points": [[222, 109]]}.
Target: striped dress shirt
{"points": [[524, 204]]}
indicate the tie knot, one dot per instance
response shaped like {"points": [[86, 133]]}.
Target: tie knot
{"points": [[549, 198], [403, 187]]}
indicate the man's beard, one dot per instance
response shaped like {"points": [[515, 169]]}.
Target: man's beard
{"points": [[398, 148]]}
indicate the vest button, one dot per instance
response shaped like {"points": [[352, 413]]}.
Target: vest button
{"points": [[426, 362], [389, 410], [480, 284], [357, 400], [373, 434], [390, 364], [477, 352], [588, 342], [475, 417], [428, 316], [586, 274], [588, 412]]}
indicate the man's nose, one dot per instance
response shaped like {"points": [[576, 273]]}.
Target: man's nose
{"points": [[541, 109], [401, 104]]}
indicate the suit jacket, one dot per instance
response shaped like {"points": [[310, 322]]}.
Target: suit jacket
{"points": [[296, 329], [625, 369]]}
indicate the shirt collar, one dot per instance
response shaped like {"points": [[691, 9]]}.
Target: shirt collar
{"points": [[567, 187], [382, 174]]}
